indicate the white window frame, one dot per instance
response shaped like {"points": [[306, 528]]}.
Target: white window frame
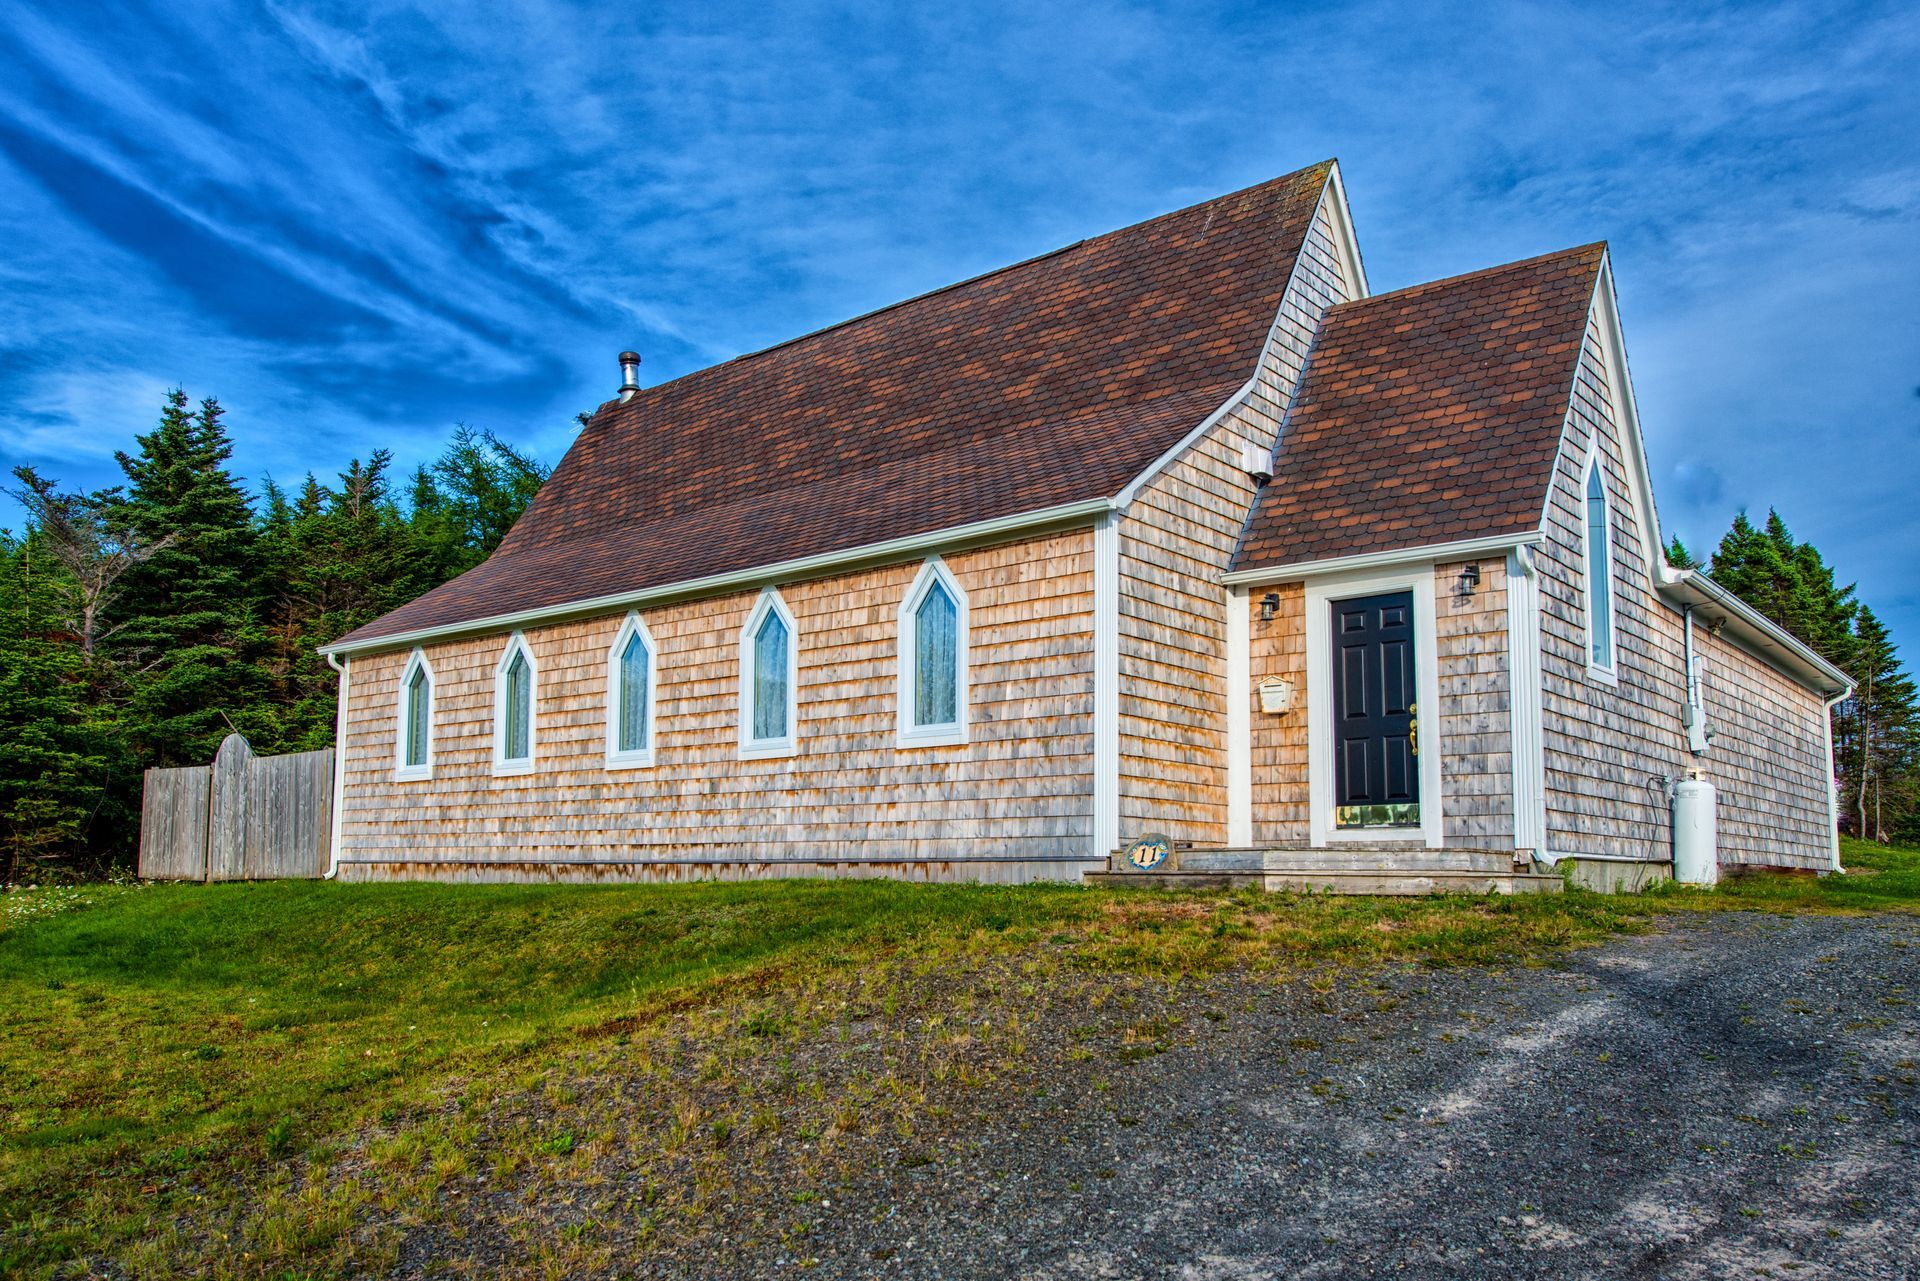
{"points": [[403, 772], [641, 757], [516, 644], [907, 631], [1609, 671], [752, 748]]}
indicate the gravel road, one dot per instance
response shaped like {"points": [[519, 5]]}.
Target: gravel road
{"points": [[1733, 1096]]}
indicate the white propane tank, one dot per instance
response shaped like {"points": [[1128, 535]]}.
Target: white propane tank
{"points": [[1696, 839]]}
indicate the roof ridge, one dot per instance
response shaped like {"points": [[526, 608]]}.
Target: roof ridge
{"points": [[1324, 166], [1476, 274]]}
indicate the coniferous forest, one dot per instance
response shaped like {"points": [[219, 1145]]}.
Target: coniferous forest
{"points": [[142, 623]]}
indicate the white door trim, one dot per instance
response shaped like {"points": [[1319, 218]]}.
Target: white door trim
{"points": [[1320, 595], [1239, 719]]}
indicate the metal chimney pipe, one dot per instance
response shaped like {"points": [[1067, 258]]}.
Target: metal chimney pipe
{"points": [[629, 374]]}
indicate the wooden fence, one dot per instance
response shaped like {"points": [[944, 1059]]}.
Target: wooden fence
{"points": [[244, 817]]}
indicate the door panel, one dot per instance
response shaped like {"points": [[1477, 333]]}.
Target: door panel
{"points": [[1376, 759]]}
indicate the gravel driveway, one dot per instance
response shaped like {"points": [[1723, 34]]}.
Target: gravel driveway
{"points": [[1734, 1096]]}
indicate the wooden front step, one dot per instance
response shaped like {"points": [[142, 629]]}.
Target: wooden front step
{"points": [[1345, 857], [1347, 868], [1299, 880]]}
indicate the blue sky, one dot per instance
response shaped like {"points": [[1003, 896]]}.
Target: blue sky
{"points": [[358, 225]]}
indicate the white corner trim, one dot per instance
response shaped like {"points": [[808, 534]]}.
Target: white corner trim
{"points": [[403, 772], [1345, 241], [751, 748], [634, 757], [1433, 554], [1607, 673], [1239, 719], [933, 572], [1525, 696], [1320, 595], [1106, 686], [339, 805], [947, 539], [502, 765]]}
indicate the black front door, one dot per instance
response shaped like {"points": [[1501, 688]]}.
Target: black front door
{"points": [[1376, 775]]}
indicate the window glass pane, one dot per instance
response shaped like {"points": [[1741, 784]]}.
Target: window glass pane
{"points": [[936, 660], [633, 696], [417, 718], [770, 676], [1599, 571], [519, 707]]}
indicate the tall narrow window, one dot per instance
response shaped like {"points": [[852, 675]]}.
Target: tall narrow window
{"points": [[414, 737], [514, 697], [1599, 570], [630, 686], [933, 659], [767, 696]]}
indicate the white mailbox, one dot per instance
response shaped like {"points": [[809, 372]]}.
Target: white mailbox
{"points": [[1276, 695]]}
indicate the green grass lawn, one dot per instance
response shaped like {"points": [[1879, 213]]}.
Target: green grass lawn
{"points": [[163, 1048]]}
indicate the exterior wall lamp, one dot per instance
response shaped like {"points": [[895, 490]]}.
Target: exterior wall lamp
{"points": [[1269, 606], [1469, 579]]}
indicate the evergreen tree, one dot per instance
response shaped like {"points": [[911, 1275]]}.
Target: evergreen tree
{"points": [[466, 501], [55, 763], [335, 559], [1877, 736], [1789, 582], [186, 612], [1678, 556], [140, 624]]}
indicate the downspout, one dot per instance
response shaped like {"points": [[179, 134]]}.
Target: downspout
{"points": [[339, 762], [1833, 786]]}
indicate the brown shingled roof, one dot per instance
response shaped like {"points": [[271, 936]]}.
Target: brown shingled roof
{"points": [[1429, 415], [1051, 382]]}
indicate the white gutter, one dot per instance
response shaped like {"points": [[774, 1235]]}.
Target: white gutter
{"points": [[1464, 549], [339, 800], [1763, 637], [951, 536]]}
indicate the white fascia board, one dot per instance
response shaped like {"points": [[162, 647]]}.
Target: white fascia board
{"points": [[1333, 199], [1756, 633], [1344, 239], [1604, 312], [953, 536], [1188, 441], [1438, 553]]}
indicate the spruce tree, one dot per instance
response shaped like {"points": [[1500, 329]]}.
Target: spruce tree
{"points": [[55, 760], [1878, 736], [1789, 582], [185, 615]]}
